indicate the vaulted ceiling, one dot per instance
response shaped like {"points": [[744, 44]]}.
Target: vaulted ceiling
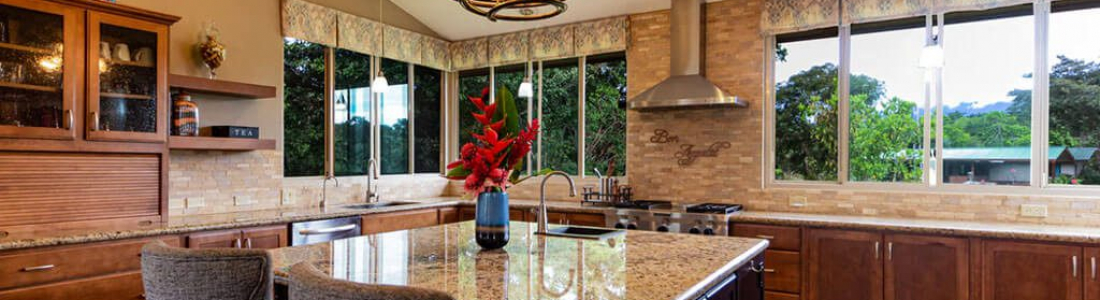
{"points": [[452, 22]]}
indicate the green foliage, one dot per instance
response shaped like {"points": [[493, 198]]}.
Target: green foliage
{"points": [[469, 86], [605, 116], [806, 125], [560, 117], [303, 119], [428, 96]]}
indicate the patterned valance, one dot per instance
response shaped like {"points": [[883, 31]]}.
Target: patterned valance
{"points": [[470, 54], [359, 34], [309, 22], [964, 5], [402, 45], [601, 36], [435, 53], [506, 49], [552, 42], [863, 11], [782, 16]]}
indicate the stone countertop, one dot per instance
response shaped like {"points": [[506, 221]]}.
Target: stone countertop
{"points": [[634, 265]]}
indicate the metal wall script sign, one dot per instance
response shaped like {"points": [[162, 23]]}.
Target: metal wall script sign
{"points": [[688, 153]]}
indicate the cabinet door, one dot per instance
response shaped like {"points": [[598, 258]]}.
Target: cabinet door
{"points": [[927, 268], [127, 79], [1030, 271], [269, 237], [844, 265], [215, 239], [38, 71], [1092, 283], [386, 222], [448, 215], [583, 219]]}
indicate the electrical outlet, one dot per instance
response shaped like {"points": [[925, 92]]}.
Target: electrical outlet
{"points": [[242, 201], [1033, 210], [287, 197], [194, 202], [797, 201]]}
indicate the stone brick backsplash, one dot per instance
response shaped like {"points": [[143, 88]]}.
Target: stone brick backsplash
{"points": [[735, 61]]}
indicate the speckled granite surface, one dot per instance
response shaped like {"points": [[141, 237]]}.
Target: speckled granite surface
{"points": [[636, 265]]}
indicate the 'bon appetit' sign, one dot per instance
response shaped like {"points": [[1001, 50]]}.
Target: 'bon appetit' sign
{"points": [[688, 153]]}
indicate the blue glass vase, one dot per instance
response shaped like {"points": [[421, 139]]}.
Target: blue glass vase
{"points": [[492, 220]]}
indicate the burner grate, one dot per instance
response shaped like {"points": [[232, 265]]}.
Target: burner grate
{"points": [[715, 208]]}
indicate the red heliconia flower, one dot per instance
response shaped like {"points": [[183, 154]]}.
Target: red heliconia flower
{"points": [[497, 151], [474, 182]]}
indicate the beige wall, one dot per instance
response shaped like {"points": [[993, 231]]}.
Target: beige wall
{"points": [[735, 57]]}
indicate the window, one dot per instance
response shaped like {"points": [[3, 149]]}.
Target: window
{"points": [[605, 114], [304, 118], [1074, 66], [427, 99], [560, 90], [352, 113], [806, 104], [886, 101], [509, 78], [394, 119], [987, 97], [470, 84]]}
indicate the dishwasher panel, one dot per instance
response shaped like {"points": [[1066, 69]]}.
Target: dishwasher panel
{"points": [[312, 232]]}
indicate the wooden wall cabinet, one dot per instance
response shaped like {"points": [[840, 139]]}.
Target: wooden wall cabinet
{"points": [[267, 237], [1014, 270], [127, 79]]}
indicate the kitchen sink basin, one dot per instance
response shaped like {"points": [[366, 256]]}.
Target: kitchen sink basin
{"points": [[379, 204], [584, 232]]}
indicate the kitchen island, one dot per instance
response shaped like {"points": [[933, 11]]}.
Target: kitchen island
{"points": [[633, 265]]}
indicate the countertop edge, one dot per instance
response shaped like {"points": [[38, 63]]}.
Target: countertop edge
{"points": [[724, 272]]}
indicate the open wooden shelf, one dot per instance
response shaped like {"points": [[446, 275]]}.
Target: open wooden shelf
{"points": [[126, 96], [218, 143], [128, 63], [25, 48], [31, 87], [220, 87]]}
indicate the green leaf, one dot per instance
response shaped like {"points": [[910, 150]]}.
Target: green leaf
{"points": [[536, 174], [459, 171], [507, 111]]}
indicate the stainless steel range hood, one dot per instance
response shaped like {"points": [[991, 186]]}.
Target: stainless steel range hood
{"points": [[687, 87]]}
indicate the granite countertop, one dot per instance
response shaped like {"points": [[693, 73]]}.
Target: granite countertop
{"points": [[634, 265]]}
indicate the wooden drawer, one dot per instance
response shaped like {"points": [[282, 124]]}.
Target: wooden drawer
{"points": [[386, 222], [782, 271], [769, 295], [125, 286], [40, 266], [781, 238], [583, 219], [467, 213], [448, 215]]}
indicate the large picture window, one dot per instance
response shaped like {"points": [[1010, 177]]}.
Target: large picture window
{"points": [[560, 101], [427, 99], [352, 113], [1074, 113], [470, 84], [394, 119], [806, 105], [605, 114], [304, 106]]}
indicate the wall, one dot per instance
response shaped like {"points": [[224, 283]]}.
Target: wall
{"points": [[211, 181], [735, 57]]}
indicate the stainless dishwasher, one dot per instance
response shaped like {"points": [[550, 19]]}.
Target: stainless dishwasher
{"points": [[312, 232]]}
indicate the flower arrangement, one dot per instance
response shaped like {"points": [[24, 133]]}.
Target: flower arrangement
{"points": [[495, 160]]}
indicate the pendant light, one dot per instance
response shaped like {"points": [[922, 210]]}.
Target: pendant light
{"points": [[931, 57], [380, 85], [526, 90]]}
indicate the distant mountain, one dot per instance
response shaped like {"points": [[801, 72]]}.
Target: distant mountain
{"points": [[970, 108]]}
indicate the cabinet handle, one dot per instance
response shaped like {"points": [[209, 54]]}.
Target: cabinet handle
{"points": [[37, 268], [1075, 266], [770, 271], [1094, 267], [237, 243], [876, 250], [69, 119], [766, 237], [327, 230], [95, 121], [248, 243], [890, 251]]}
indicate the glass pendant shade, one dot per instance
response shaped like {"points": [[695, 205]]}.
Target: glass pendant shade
{"points": [[526, 90], [380, 85], [931, 57]]}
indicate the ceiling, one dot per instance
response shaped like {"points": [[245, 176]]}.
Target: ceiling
{"points": [[452, 22]]}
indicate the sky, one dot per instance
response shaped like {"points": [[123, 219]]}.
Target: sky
{"points": [[983, 61]]}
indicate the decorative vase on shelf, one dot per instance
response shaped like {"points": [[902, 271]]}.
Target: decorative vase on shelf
{"points": [[185, 115], [212, 51], [492, 220]]}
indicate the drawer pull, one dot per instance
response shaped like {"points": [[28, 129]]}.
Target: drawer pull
{"points": [[766, 237], [770, 271], [38, 268], [327, 230], [248, 243]]}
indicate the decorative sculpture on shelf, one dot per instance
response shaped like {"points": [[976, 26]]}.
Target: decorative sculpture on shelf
{"points": [[211, 50]]}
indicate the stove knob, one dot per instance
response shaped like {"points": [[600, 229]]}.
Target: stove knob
{"points": [[632, 226], [663, 228], [619, 226], [694, 230], [708, 231]]}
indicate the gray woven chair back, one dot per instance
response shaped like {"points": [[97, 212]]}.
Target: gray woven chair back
{"points": [[308, 283], [171, 273]]}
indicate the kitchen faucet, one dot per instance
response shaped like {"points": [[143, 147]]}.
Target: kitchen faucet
{"points": [[324, 189], [372, 175], [542, 198]]}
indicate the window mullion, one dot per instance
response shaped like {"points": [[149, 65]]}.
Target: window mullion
{"points": [[330, 91], [409, 113], [580, 115], [842, 103], [938, 80], [1040, 97], [928, 178], [540, 135]]}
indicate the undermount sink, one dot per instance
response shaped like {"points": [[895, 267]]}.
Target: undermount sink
{"points": [[378, 204], [584, 232]]}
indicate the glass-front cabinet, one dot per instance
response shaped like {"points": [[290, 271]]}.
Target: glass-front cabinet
{"points": [[127, 79], [38, 69]]}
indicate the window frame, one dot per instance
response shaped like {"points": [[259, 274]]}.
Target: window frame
{"points": [[931, 183], [328, 170]]}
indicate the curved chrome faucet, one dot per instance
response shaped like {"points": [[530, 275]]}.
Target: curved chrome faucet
{"points": [[542, 199], [372, 175], [324, 189]]}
